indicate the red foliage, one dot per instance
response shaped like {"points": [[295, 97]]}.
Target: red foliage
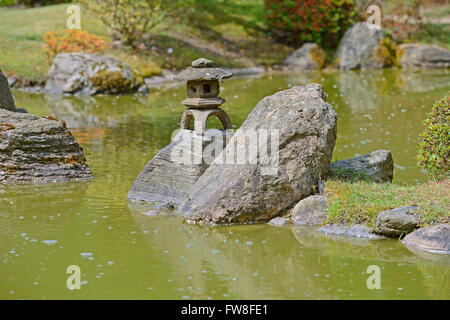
{"points": [[320, 21]]}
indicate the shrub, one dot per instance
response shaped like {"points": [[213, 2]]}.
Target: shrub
{"points": [[300, 21], [129, 18], [72, 41], [434, 141]]}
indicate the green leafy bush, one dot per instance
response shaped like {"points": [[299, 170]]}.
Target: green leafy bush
{"points": [[434, 141], [300, 21], [129, 18]]}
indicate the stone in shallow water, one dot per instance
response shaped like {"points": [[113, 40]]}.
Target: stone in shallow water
{"points": [[419, 55], [397, 222], [35, 149], [237, 193], [378, 165], [279, 222], [169, 176], [309, 56], [312, 210], [357, 230], [432, 238], [361, 48]]}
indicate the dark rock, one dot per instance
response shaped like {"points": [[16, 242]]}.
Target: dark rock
{"points": [[312, 210], [357, 230], [397, 222], [279, 222], [167, 179], [432, 239], [321, 186], [87, 73], [362, 48], [21, 110], [144, 90], [35, 149], [239, 193], [307, 57], [12, 81], [6, 98], [378, 165], [418, 55]]}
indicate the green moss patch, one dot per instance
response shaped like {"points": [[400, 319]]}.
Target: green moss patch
{"points": [[112, 81]]}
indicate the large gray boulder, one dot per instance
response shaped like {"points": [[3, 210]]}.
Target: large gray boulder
{"points": [[312, 210], [397, 222], [6, 99], [377, 165], [87, 73], [35, 149], [418, 55], [432, 238], [169, 176], [308, 57], [363, 48], [238, 193]]}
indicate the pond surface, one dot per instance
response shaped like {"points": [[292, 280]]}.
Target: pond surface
{"points": [[126, 255]]}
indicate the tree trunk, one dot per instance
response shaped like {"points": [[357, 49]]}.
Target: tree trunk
{"points": [[6, 99]]}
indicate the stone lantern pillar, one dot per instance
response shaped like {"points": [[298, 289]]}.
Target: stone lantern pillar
{"points": [[203, 88]]}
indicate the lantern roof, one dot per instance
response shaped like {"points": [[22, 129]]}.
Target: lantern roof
{"points": [[201, 70]]}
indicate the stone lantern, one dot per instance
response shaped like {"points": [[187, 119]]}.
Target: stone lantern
{"points": [[203, 90]]}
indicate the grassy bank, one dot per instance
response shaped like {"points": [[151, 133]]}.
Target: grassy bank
{"points": [[361, 201], [230, 33]]}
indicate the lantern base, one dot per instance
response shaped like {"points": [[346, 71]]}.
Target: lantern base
{"points": [[201, 116]]}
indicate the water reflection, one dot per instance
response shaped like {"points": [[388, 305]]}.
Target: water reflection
{"points": [[126, 254]]}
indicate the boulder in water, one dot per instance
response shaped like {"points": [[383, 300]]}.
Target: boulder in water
{"points": [[35, 149], [299, 128]]}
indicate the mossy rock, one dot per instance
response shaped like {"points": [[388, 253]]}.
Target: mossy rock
{"points": [[385, 53], [147, 70], [318, 55], [112, 82]]}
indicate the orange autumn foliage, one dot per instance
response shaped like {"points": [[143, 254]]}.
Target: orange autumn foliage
{"points": [[73, 41]]}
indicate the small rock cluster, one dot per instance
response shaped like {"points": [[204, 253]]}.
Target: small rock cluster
{"points": [[365, 48]]}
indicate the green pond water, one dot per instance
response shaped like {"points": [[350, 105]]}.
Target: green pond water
{"points": [[124, 254]]}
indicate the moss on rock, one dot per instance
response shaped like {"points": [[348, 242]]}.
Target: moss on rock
{"points": [[147, 69], [113, 82], [318, 56], [385, 52]]}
